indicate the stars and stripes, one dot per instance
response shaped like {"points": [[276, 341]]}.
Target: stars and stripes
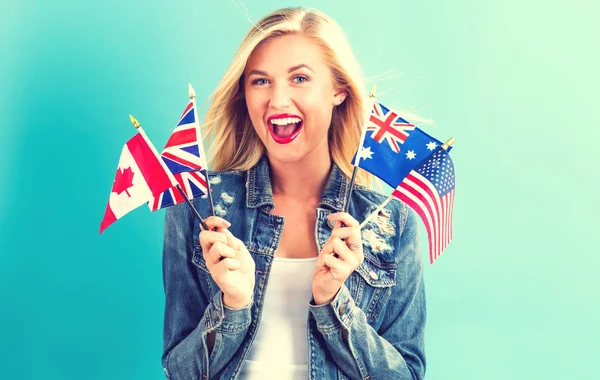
{"points": [[385, 124], [184, 152], [429, 190], [193, 185]]}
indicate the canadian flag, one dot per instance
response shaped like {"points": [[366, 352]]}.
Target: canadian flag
{"points": [[140, 177]]}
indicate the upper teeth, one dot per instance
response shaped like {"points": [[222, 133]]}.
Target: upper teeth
{"points": [[286, 120]]}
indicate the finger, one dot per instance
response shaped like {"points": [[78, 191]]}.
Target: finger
{"points": [[339, 247], [218, 252], [214, 223], [351, 236], [339, 269], [221, 270], [326, 250], [208, 238], [327, 247], [343, 217], [344, 232], [211, 237], [227, 264], [345, 220], [345, 254], [232, 241]]}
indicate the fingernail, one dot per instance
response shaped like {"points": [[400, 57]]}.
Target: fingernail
{"points": [[227, 224], [331, 223]]}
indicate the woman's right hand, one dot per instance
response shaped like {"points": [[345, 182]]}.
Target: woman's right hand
{"points": [[229, 263]]}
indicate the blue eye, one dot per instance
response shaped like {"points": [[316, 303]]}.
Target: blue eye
{"points": [[300, 79], [260, 81]]}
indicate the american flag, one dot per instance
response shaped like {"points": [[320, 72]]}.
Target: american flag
{"points": [[184, 151], [193, 185], [429, 190], [385, 124]]}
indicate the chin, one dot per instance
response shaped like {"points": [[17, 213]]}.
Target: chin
{"points": [[285, 157]]}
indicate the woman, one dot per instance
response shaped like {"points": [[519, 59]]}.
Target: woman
{"points": [[284, 285]]}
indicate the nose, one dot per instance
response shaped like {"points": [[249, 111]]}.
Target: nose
{"points": [[280, 97]]}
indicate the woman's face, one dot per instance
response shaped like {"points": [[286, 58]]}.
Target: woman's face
{"points": [[290, 97]]}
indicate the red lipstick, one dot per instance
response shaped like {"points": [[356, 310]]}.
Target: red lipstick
{"points": [[284, 139]]}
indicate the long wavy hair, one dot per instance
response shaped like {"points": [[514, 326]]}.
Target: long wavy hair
{"points": [[234, 145]]}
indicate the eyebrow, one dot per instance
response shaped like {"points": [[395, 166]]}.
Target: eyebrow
{"points": [[294, 68], [291, 69], [258, 72]]}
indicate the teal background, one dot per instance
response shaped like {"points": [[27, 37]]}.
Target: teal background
{"points": [[515, 295]]}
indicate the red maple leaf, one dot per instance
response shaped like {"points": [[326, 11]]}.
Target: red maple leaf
{"points": [[123, 181]]}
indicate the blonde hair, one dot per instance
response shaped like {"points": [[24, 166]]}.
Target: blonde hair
{"points": [[234, 145]]}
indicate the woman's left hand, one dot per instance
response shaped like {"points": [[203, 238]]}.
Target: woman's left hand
{"points": [[331, 271]]}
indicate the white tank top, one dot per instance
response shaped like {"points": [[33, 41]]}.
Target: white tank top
{"points": [[280, 348]]}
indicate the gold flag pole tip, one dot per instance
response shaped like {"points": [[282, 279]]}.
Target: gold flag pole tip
{"points": [[448, 143], [134, 121], [191, 92], [373, 91]]}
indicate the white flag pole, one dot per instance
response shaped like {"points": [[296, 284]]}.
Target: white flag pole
{"points": [[203, 163], [376, 212], [192, 95], [367, 114]]}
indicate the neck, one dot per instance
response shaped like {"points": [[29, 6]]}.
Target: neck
{"points": [[304, 180]]}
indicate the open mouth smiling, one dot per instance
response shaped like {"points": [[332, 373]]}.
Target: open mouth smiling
{"points": [[284, 128]]}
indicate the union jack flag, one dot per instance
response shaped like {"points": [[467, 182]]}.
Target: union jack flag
{"points": [[184, 151], [429, 190], [384, 159], [193, 185], [184, 156], [388, 125]]}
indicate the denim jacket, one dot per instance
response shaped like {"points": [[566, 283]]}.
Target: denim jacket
{"points": [[372, 329]]}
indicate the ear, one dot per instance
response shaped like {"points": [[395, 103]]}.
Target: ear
{"points": [[339, 96]]}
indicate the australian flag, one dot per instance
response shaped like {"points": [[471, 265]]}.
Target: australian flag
{"points": [[387, 126], [392, 166]]}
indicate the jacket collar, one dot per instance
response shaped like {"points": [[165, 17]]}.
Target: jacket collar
{"points": [[260, 193]]}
